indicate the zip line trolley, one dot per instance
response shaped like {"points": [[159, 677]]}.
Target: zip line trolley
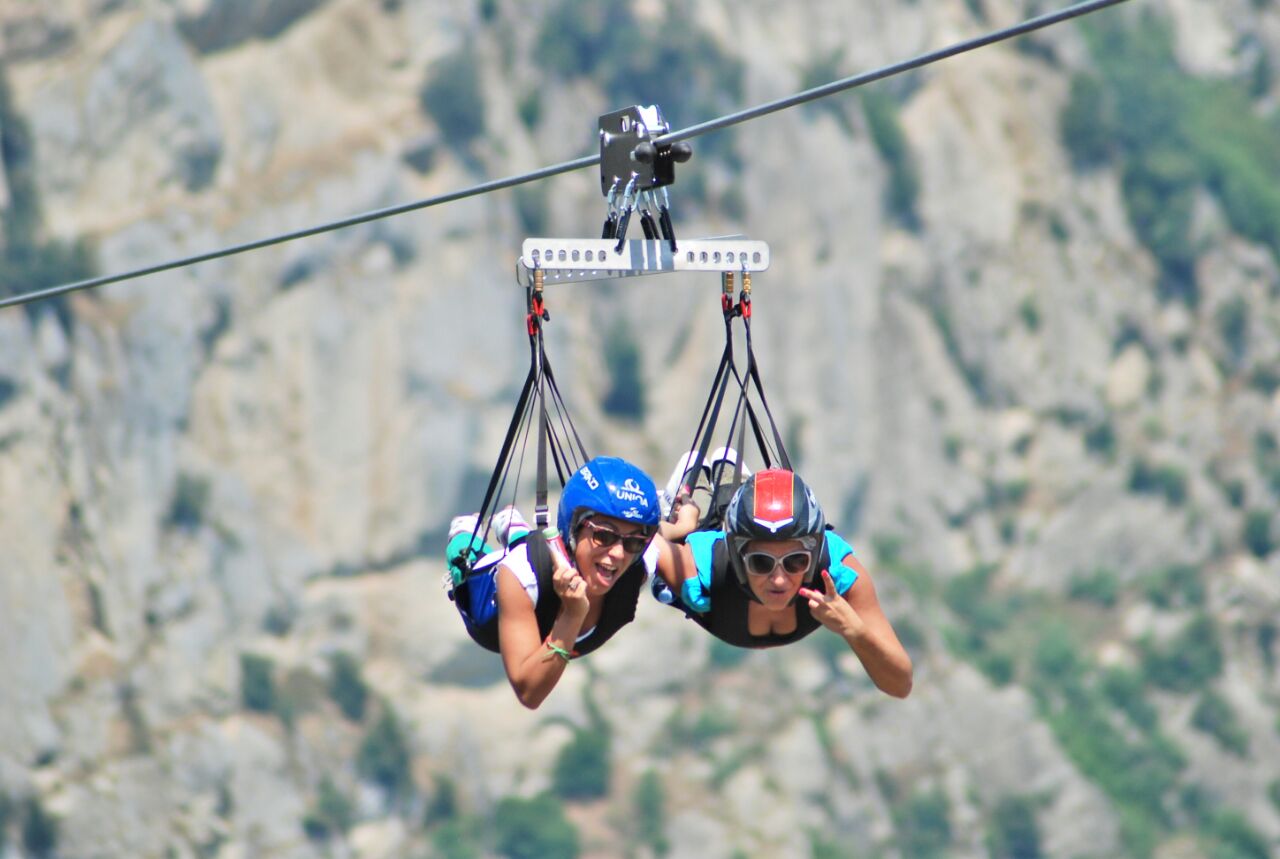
{"points": [[632, 169]]}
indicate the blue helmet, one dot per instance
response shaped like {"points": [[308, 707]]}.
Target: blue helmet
{"points": [[611, 486]]}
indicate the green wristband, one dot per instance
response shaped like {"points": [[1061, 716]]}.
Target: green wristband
{"points": [[557, 651]]}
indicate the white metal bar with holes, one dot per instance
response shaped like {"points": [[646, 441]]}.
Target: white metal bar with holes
{"points": [[570, 260]]}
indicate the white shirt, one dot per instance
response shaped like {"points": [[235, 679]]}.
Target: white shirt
{"points": [[516, 560]]}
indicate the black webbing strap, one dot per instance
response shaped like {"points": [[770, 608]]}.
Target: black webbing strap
{"points": [[536, 316], [753, 370], [711, 411], [740, 464], [540, 487], [566, 423], [559, 437], [744, 405], [743, 409], [501, 469]]}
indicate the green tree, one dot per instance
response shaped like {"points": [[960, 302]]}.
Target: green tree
{"points": [[257, 685], [346, 687], [384, 754], [1173, 133], [443, 805], [534, 829], [1215, 716], [1101, 440], [1056, 657], [188, 504], [1175, 586], [1189, 661], [1257, 533], [722, 655], [458, 839], [650, 813], [1135, 772], [8, 389], [582, 767], [923, 825], [6, 809], [28, 262], [331, 814], [891, 142], [1088, 123], [1101, 587], [625, 397], [454, 98], [39, 830], [1233, 324], [1159, 193], [634, 57], [1125, 691], [1236, 839], [1014, 832], [1167, 480]]}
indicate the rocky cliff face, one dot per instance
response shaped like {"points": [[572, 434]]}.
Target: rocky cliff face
{"points": [[1037, 383]]}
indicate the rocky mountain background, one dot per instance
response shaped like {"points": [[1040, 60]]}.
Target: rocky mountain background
{"points": [[1022, 329]]}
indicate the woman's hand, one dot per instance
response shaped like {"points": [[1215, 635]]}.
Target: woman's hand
{"points": [[685, 519], [571, 589], [832, 610]]}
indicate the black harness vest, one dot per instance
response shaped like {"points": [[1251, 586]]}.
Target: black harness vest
{"points": [[727, 619], [618, 611]]}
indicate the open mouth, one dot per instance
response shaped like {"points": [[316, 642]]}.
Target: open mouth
{"points": [[606, 576]]}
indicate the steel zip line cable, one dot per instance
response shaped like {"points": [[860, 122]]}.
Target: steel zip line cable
{"points": [[1028, 26], [1031, 24]]}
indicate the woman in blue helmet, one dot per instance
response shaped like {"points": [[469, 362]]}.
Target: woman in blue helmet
{"points": [[548, 608], [777, 574]]}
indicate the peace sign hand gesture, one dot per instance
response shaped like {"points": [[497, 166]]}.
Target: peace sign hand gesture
{"points": [[832, 610]]}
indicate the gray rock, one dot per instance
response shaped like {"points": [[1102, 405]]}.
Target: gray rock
{"points": [[217, 25], [39, 34], [150, 80], [343, 397], [96, 132]]}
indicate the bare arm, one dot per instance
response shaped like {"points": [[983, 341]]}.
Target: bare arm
{"points": [[858, 618], [531, 666], [675, 563], [687, 516]]}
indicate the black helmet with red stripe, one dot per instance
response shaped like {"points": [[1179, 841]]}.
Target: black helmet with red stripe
{"points": [[774, 504]]}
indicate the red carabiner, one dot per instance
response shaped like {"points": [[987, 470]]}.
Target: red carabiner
{"points": [[537, 312]]}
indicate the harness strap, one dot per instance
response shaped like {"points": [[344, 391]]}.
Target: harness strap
{"points": [[541, 393], [743, 412], [753, 370], [711, 411]]}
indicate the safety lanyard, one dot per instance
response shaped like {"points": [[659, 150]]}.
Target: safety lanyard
{"points": [[556, 434], [743, 411]]}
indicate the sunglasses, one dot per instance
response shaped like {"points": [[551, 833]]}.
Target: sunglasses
{"points": [[605, 538], [763, 563]]}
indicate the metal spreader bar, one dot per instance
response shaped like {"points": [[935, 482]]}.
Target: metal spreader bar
{"points": [[571, 260]]}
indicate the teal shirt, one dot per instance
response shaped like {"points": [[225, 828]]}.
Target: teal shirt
{"points": [[696, 592]]}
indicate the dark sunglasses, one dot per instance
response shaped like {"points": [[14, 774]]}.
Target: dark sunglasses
{"points": [[763, 563], [605, 538]]}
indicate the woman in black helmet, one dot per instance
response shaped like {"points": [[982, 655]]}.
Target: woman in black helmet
{"points": [[776, 574]]}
